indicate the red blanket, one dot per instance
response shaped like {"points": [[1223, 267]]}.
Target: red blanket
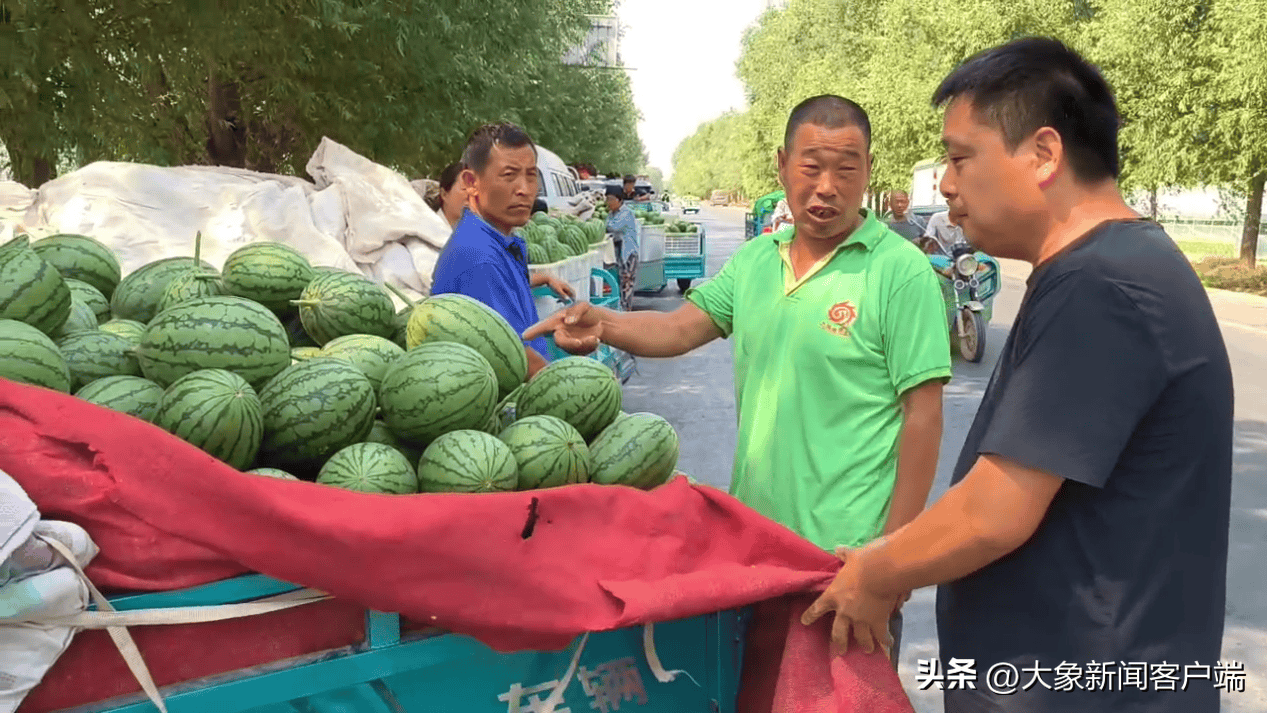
{"points": [[166, 515]]}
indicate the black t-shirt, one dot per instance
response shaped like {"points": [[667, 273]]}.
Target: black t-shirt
{"points": [[1114, 377]]}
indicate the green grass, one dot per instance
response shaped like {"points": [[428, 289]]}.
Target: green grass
{"points": [[1206, 248]]}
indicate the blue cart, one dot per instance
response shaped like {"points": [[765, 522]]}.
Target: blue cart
{"points": [[395, 670], [684, 257], [621, 363], [969, 281]]}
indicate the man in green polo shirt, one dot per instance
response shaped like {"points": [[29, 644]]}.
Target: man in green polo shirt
{"points": [[841, 345]]}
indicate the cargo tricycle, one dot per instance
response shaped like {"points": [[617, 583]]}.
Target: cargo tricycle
{"points": [[969, 281]]}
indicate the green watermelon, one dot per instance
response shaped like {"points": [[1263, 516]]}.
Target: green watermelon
{"points": [[270, 273], [31, 289], [370, 468], [273, 473], [190, 286], [214, 333], [467, 462], [380, 433], [126, 328], [28, 356], [465, 320], [557, 250], [80, 257], [338, 303], [540, 218], [138, 294], [217, 411], [96, 355], [313, 409], [437, 388], [91, 297], [133, 395], [579, 390], [639, 450], [372, 355], [80, 319], [549, 452], [537, 254]]}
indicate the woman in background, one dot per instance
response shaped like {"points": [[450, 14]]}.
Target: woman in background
{"points": [[451, 200]]}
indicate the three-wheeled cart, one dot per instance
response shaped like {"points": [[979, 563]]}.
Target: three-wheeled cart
{"points": [[684, 257]]}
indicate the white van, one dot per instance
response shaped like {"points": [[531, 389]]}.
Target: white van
{"points": [[556, 181]]}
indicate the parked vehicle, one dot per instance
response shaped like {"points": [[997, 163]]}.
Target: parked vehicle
{"points": [[558, 184], [970, 280], [719, 197]]}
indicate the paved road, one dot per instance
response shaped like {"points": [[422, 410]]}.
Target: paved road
{"points": [[696, 393]]}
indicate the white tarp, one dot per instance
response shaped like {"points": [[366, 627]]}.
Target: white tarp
{"points": [[355, 214]]}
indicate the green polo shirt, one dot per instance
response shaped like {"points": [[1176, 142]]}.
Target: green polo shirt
{"points": [[820, 368]]}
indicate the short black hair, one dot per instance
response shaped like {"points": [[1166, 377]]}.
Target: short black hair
{"points": [[1033, 82], [616, 192], [449, 175], [483, 139], [629, 179], [830, 112]]}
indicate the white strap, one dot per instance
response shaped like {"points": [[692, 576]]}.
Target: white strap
{"points": [[556, 696], [653, 659]]}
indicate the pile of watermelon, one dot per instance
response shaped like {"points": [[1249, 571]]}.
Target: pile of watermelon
{"points": [[294, 371], [681, 227], [552, 239], [650, 217]]}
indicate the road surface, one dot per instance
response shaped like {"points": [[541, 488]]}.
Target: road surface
{"points": [[696, 394]]}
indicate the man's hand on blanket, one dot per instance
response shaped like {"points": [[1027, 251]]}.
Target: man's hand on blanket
{"points": [[862, 614]]}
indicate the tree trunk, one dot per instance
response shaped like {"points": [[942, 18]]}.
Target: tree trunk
{"points": [[1152, 203], [226, 133], [30, 171], [1253, 219]]}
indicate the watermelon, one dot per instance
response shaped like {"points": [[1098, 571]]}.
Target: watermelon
{"points": [[313, 409], [380, 433], [548, 451], [190, 286], [639, 450], [126, 328], [437, 388], [217, 411], [273, 473], [467, 462], [557, 251], [80, 257], [579, 390], [96, 355], [370, 468], [91, 297], [537, 254], [338, 303], [372, 355], [270, 273], [31, 289], [214, 333], [80, 319], [304, 353], [28, 356], [465, 320], [133, 395], [138, 294]]}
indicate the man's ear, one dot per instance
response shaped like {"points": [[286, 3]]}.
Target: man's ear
{"points": [[468, 178], [1049, 155]]}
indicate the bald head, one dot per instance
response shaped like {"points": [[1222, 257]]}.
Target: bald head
{"points": [[899, 203]]}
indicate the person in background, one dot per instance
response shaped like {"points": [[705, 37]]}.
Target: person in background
{"points": [[482, 259], [780, 217], [631, 193], [900, 218], [624, 229], [943, 229], [452, 199]]}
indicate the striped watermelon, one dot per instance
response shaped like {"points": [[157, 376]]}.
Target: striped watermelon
{"points": [[31, 289], [126, 328], [370, 468], [90, 296], [270, 273], [549, 452], [214, 333], [579, 390], [400, 332], [372, 355], [96, 355], [80, 319], [313, 409], [639, 450], [137, 296], [28, 356], [217, 411], [338, 303], [437, 388], [81, 258], [467, 462], [304, 353], [190, 286], [464, 320], [380, 433], [133, 395], [273, 473]]}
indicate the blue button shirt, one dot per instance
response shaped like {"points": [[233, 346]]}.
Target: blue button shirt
{"points": [[625, 226], [480, 262]]}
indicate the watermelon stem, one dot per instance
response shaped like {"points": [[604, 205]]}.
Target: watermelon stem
{"points": [[396, 291], [305, 303], [198, 251]]}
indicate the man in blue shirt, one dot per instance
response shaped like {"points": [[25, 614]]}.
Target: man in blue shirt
{"points": [[624, 229], [482, 259]]}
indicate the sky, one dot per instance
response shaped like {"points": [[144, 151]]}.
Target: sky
{"points": [[681, 58]]}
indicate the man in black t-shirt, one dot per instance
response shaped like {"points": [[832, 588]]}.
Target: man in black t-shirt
{"points": [[1082, 547]]}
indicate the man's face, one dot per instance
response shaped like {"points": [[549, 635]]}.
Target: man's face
{"points": [[825, 173], [504, 191], [992, 193], [629, 187], [899, 202], [613, 204]]}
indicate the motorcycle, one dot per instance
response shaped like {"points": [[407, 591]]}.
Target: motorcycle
{"points": [[970, 280]]}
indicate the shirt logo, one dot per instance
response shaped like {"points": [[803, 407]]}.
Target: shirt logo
{"points": [[840, 317]]}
